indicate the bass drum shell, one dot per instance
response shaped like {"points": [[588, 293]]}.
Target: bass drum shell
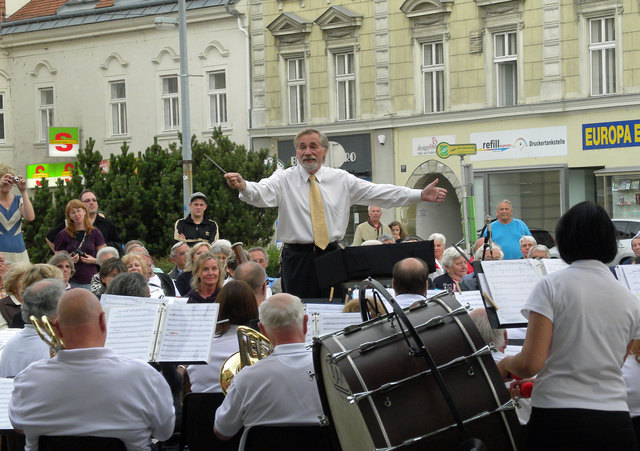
{"points": [[417, 407]]}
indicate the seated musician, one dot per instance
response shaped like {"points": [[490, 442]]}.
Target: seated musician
{"points": [[278, 388], [238, 306], [409, 281], [255, 276], [87, 389], [40, 299]]}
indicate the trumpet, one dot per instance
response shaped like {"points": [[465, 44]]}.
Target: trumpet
{"points": [[47, 334], [253, 347]]}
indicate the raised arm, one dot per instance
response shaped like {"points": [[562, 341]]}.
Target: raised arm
{"points": [[235, 181], [27, 208], [432, 193]]}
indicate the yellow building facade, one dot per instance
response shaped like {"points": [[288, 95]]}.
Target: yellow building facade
{"points": [[548, 91]]}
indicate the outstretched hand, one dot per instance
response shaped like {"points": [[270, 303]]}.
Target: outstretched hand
{"points": [[432, 193], [235, 181]]}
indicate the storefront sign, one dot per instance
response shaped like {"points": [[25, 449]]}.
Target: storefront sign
{"points": [[608, 135], [525, 143], [445, 150], [64, 141], [427, 145], [50, 171]]}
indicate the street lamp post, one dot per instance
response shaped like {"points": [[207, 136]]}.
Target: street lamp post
{"points": [[187, 186]]}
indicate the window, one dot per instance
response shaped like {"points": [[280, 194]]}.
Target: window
{"points": [[170, 103], [46, 112], [2, 116], [118, 108], [296, 85], [217, 98], [433, 77], [346, 85], [505, 58], [602, 52]]}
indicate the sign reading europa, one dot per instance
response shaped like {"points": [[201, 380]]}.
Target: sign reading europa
{"points": [[607, 135]]}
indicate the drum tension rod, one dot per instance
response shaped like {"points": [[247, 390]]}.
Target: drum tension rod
{"points": [[504, 407], [357, 397], [370, 345]]}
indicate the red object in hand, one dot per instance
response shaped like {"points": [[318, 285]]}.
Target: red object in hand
{"points": [[525, 389]]}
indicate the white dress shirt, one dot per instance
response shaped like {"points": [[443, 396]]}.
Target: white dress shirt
{"points": [[289, 191], [276, 390], [92, 391], [22, 350], [408, 299]]}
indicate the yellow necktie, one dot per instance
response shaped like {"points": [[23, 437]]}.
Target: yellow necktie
{"points": [[318, 221]]}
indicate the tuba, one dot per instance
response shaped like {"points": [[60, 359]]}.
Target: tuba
{"points": [[253, 347], [47, 334]]}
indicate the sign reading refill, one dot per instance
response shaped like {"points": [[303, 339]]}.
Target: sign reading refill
{"points": [[50, 171], [523, 143], [608, 135], [64, 141]]}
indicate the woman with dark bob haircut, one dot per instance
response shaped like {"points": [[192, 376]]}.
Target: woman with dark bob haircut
{"points": [[581, 322], [238, 306]]}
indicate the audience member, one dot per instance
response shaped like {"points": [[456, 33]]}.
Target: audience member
{"points": [[108, 271], [178, 255], [539, 251], [397, 231], [196, 226], [129, 284], [15, 208], [455, 266], [372, 228], [507, 231], [206, 283], [63, 261], [184, 280], [11, 304], [526, 243]]}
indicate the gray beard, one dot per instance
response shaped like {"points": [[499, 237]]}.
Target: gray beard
{"points": [[309, 166]]}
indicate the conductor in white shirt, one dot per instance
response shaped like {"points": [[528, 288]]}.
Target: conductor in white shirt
{"points": [[87, 389], [278, 388], [313, 207], [409, 281]]}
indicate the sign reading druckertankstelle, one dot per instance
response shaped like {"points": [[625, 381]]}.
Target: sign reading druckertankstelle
{"points": [[64, 141], [523, 143], [608, 135]]}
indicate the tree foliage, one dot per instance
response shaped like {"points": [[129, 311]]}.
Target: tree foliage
{"points": [[142, 195]]}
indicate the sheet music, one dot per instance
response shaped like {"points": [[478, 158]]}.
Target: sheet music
{"points": [[131, 331], [311, 308], [473, 298], [108, 300], [187, 332], [510, 282], [311, 328], [174, 300], [6, 388], [328, 323], [630, 276], [553, 264]]}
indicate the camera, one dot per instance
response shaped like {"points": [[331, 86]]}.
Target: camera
{"points": [[16, 179], [78, 252]]}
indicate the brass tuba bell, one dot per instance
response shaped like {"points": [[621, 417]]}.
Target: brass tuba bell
{"points": [[47, 334], [253, 347]]}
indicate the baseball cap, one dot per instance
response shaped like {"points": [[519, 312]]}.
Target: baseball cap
{"points": [[198, 195]]}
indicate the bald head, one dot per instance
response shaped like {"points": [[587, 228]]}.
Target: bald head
{"points": [[80, 319], [410, 276]]}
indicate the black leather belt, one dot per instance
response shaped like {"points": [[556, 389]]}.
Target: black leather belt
{"points": [[311, 247]]}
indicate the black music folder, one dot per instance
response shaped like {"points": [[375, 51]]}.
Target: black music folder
{"points": [[360, 262]]}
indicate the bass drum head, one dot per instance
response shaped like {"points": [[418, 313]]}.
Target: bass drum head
{"points": [[413, 406]]}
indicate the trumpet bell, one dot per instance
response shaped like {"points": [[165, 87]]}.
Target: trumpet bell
{"points": [[229, 369], [47, 334]]}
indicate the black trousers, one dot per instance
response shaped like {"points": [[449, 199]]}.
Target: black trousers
{"points": [[580, 429], [299, 275]]}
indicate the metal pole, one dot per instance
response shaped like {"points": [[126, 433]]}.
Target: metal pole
{"points": [[465, 206], [187, 187]]}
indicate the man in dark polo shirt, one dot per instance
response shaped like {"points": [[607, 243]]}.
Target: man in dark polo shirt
{"points": [[196, 226]]}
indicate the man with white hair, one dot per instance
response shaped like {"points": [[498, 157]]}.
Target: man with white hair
{"points": [[539, 251], [278, 388], [372, 228], [178, 256]]}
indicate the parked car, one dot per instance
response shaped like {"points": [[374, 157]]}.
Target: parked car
{"points": [[626, 229]]}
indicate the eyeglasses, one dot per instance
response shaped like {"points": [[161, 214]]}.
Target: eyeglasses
{"points": [[86, 201]]}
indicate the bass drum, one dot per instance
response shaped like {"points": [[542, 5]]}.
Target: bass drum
{"points": [[412, 411]]}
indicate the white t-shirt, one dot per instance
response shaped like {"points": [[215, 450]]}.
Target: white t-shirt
{"points": [[206, 378], [276, 390], [594, 318], [92, 391]]}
